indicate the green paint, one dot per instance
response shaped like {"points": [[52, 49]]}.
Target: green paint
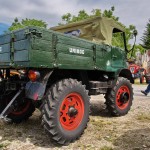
{"points": [[42, 48]]}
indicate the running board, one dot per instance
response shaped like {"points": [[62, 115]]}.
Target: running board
{"points": [[8, 108], [99, 87]]}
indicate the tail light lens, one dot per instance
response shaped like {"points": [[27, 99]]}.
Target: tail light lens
{"points": [[33, 75]]}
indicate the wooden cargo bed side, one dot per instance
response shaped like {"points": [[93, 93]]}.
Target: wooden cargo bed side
{"points": [[42, 54], [74, 53], [33, 48]]}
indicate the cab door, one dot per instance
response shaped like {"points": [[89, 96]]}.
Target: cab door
{"points": [[117, 57]]}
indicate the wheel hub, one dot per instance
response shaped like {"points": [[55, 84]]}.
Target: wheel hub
{"points": [[72, 111], [124, 97]]}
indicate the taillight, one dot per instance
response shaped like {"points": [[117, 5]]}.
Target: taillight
{"points": [[33, 75]]}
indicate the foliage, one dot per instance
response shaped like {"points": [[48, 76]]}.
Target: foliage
{"points": [[82, 14], [146, 36], [26, 22]]}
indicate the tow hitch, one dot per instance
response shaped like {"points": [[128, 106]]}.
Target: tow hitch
{"points": [[9, 107]]}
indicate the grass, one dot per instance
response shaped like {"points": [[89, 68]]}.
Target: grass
{"points": [[143, 117], [106, 148], [137, 82], [99, 123], [4, 145]]}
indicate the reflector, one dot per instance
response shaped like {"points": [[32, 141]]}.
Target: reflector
{"points": [[33, 75]]}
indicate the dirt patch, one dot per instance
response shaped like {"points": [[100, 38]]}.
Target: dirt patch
{"points": [[130, 132]]}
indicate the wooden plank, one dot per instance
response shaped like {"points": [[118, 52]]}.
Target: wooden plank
{"points": [[5, 57], [42, 45], [22, 55], [22, 45], [5, 38], [5, 48]]}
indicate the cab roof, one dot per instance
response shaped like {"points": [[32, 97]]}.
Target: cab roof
{"points": [[96, 29]]}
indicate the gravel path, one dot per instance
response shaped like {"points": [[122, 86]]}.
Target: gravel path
{"points": [[130, 132]]}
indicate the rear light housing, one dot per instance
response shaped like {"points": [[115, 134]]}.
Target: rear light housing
{"points": [[33, 75]]}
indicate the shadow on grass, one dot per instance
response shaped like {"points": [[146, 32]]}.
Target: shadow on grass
{"points": [[98, 108], [30, 132], [134, 140]]}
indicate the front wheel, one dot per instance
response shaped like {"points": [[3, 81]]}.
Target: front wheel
{"points": [[119, 98], [66, 111]]}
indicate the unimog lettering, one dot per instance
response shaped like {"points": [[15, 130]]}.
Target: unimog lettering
{"points": [[76, 51]]}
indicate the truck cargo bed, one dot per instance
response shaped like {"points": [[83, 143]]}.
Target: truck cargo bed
{"points": [[34, 47], [38, 47]]}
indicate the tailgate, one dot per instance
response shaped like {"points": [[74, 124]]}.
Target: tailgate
{"points": [[28, 47], [5, 50]]}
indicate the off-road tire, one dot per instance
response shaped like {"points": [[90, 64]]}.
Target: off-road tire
{"points": [[111, 97], [55, 97], [24, 115]]}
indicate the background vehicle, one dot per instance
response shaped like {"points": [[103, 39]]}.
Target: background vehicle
{"points": [[137, 72], [60, 72]]}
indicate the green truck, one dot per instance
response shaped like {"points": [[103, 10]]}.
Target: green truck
{"points": [[57, 70]]}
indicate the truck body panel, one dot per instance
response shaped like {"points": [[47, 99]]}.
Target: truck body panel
{"points": [[42, 48]]}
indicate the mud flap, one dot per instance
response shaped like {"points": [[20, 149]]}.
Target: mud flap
{"points": [[36, 90]]}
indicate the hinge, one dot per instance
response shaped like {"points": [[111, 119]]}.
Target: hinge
{"points": [[33, 33], [54, 44], [12, 50], [94, 53]]}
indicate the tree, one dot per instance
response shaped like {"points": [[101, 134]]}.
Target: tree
{"points": [[26, 22], [82, 14], [146, 36]]}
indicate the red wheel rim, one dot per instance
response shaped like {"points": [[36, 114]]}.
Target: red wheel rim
{"points": [[71, 111], [122, 104], [22, 109]]}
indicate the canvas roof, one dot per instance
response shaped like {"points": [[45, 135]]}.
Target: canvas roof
{"points": [[97, 29]]}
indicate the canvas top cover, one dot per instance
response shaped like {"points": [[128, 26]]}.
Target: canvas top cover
{"points": [[97, 29]]}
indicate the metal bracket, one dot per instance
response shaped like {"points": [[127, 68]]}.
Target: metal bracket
{"points": [[33, 32], [5, 112]]}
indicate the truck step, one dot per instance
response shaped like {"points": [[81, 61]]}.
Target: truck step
{"points": [[99, 87]]}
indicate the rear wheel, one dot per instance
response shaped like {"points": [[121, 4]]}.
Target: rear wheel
{"points": [[66, 111], [22, 112], [119, 98], [23, 108]]}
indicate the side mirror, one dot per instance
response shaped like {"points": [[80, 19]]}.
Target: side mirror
{"points": [[135, 33]]}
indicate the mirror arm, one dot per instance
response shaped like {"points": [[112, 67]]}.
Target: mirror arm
{"points": [[125, 43], [128, 51], [132, 47]]}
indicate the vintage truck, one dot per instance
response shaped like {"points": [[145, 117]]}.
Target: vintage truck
{"points": [[56, 71]]}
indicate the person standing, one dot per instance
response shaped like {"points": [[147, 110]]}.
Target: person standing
{"points": [[145, 92]]}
